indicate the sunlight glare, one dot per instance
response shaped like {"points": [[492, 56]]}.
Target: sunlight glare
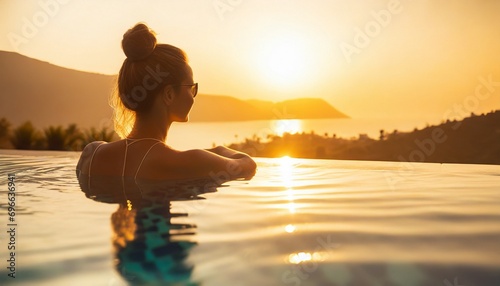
{"points": [[286, 168], [286, 171], [297, 258], [290, 126], [290, 228], [284, 59]]}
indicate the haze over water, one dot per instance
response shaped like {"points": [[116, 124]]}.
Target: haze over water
{"points": [[204, 134]]}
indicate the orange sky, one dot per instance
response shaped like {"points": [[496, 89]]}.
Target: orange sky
{"points": [[398, 59]]}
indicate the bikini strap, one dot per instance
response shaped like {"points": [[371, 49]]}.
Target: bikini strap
{"points": [[126, 151], [138, 169]]}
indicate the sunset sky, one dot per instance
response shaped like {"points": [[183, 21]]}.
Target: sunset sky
{"points": [[399, 59]]}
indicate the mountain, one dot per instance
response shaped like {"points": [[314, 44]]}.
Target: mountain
{"points": [[50, 95], [47, 95], [303, 108], [226, 108]]}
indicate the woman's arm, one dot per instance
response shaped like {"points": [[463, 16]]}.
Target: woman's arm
{"points": [[227, 152], [225, 166], [85, 156]]}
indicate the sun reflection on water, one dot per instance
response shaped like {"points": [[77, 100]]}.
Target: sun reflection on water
{"points": [[286, 168], [290, 228], [296, 258], [290, 126]]}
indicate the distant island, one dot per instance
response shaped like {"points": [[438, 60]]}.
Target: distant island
{"points": [[46, 95], [474, 140]]}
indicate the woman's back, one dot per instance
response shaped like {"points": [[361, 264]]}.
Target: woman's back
{"points": [[129, 158], [149, 158]]}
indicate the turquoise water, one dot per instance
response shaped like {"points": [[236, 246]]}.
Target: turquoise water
{"points": [[297, 222]]}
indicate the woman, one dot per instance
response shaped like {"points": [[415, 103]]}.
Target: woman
{"points": [[155, 88]]}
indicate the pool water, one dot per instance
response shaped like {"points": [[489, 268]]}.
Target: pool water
{"points": [[297, 222]]}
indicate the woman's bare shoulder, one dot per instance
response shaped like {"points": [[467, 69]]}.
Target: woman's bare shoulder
{"points": [[87, 152], [90, 148], [93, 145]]}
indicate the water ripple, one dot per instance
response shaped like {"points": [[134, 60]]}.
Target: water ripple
{"points": [[361, 221]]}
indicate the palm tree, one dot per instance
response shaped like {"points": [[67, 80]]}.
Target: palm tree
{"points": [[4, 127], [93, 134], [58, 138], [55, 138], [25, 137], [74, 138], [4, 133]]}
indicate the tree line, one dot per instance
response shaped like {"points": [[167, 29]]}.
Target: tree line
{"points": [[70, 138], [473, 140]]}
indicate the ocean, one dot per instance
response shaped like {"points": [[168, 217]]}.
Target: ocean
{"points": [[205, 134]]}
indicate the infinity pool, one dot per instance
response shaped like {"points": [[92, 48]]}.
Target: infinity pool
{"points": [[297, 222]]}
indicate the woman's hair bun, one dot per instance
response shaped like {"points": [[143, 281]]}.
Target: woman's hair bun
{"points": [[139, 42]]}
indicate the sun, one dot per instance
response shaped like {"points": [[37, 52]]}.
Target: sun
{"points": [[284, 59]]}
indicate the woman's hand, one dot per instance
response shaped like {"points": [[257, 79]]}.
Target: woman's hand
{"points": [[246, 162], [227, 152]]}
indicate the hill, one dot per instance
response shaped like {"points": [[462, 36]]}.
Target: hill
{"points": [[474, 140], [48, 94], [225, 108]]}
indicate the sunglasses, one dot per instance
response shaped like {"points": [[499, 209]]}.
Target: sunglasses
{"points": [[194, 88]]}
